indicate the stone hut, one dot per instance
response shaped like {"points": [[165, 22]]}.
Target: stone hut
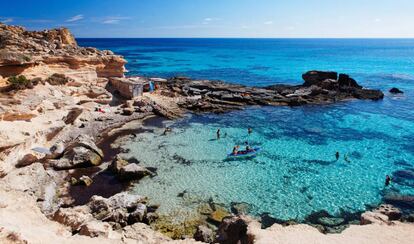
{"points": [[129, 88]]}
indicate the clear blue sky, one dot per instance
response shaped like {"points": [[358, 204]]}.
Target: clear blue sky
{"points": [[216, 18]]}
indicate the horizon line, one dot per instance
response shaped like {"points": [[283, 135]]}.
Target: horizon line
{"points": [[244, 37]]}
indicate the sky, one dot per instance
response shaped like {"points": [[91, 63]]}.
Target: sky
{"points": [[216, 18]]}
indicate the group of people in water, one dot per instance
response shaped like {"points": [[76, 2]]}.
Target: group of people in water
{"points": [[345, 157], [236, 148]]}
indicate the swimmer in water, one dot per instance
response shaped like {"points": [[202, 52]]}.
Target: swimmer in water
{"points": [[218, 134], [387, 180], [337, 156], [235, 150]]}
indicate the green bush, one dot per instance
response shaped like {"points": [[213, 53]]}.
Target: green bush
{"points": [[19, 82]]}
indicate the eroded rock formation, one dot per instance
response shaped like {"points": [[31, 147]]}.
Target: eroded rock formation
{"points": [[43, 53]]}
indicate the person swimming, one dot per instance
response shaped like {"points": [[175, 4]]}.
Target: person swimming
{"points": [[167, 130], [347, 159], [387, 180], [248, 148], [218, 134], [337, 156], [249, 130], [235, 150]]}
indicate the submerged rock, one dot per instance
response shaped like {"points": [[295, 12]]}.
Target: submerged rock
{"points": [[218, 214], [327, 221], [240, 208]]}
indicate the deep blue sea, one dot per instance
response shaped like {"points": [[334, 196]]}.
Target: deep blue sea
{"points": [[296, 172]]}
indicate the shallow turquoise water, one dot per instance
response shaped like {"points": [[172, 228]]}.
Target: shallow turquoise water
{"points": [[296, 172]]}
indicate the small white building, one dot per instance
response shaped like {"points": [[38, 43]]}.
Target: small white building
{"points": [[129, 88]]}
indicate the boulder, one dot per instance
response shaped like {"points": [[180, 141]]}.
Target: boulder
{"points": [[83, 152], [232, 230], [374, 218], [73, 217], [139, 214], [204, 234], [389, 210], [85, 180], [126, 200], [133, 172], [316, 77], [395, 90], [77, 157], [99, 206], [117, 164], [88, 142], [96, 229]]}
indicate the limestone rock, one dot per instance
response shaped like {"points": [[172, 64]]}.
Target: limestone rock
{"points": [[139, 214], [133, 172], [117, 164], [73, 217], [373, 217], [392, 212], [96, 229], [143, 233], [50, 51]]}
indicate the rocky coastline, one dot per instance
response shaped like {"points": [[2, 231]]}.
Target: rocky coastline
{"points": [[59, 121]]}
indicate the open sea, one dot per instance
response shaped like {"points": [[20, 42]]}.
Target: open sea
{"points": [[296, 172]]}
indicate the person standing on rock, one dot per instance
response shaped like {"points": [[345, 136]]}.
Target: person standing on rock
{"points": [[218, 134]]}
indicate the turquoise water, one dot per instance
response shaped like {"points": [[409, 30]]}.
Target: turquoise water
{"points": [[296, 172]]}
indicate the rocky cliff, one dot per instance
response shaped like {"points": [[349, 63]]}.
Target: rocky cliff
{"points": [[43, 53]]}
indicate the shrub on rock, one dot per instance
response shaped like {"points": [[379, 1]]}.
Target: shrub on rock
{"points": [[19, 82], [58, 79]]}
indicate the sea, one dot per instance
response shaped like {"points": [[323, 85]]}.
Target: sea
{"points": [[296, 172]]}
